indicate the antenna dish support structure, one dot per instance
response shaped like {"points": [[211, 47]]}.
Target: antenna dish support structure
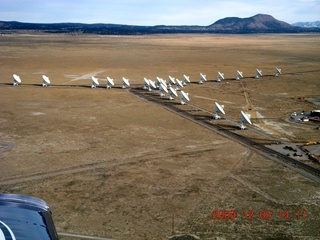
{"points": [[16, 80], [186, 79], [258, 73], [218, 109], [244, 118], [203, 78], [125, 82], [239, 75], [220, 76], [183, 97], [278, 72], [45, 81]]}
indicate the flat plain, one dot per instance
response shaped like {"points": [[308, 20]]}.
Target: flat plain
{"points": [[112, 165]]}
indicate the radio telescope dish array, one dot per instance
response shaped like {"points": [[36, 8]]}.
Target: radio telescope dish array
{"points": [[110, 82], [94, 82], [202, 78], [239, 75], [220, 76], [163, 89], [218, 109], [16, 80], [45, 81], [278, 72], [186, 79], [125, 83], [184, 96], [172, 93], [171, 81], [244, 118], [178, 84], [258, 73]]}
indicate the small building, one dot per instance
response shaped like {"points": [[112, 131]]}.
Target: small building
{"points": [[315, 113]]}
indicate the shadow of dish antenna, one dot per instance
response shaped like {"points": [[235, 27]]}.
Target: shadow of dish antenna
{"points": [[125, 83], [203, 78], [16, 80], [94, 82], [110, 82], [45, 81], [184, 96], [244, 118], [218, 109]]}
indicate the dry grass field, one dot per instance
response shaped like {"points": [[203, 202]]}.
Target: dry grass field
{"points": [[112, 165]]}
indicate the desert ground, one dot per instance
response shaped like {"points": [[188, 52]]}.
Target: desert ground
{"points": [[114, 166]]}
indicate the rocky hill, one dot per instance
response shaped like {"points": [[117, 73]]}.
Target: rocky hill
{"points": [[260, 23]]}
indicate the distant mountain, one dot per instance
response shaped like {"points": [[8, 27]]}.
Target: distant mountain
{"points": [[260, 23], [315, 24]]}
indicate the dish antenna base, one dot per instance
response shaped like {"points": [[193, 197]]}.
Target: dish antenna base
{"points": [[182, 102], [93, 86], [15, 84], [216, 116], [242, 126], [44, 85]]}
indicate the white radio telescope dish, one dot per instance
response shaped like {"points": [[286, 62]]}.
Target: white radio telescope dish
{"points": [[178, 84], [184, 96], [94, 82], [278, 72], [146, 84], [220, 76], [186, 79], [244, 118], [172, 92], [202, 78], [125, 83], [16, 80], [218, 109], [110, 82], [152, 85], [239, 75], [171, 81], [159, 81], [45, 81], [258, 73], [163, 89]]}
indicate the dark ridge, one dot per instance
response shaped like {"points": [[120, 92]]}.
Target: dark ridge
{"points": [[260, 23]]}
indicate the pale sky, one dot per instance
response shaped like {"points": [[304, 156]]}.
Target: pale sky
{"points": [[159, 12]]}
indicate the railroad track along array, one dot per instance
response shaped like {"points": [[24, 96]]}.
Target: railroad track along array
{"points": [[304, 169]]}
